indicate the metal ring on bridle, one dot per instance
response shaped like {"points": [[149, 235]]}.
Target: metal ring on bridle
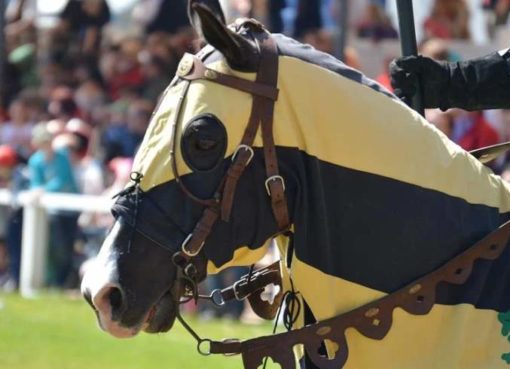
{"points": [[274, 178], [200, 349], [244, 147], [189, 253], [217, 298]]}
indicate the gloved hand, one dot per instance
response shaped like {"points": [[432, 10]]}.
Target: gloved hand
{"points": [[434, 77]]}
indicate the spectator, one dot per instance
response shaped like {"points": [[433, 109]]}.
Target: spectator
{"points": [[500, 10], [13, 174], [169, 16], [442, 120], [86, 170], [125, 71], [50, 171], [471, 131], [82, 21], [122, 137], [384, 77], [62, 106], [156, 78], [449, 20], [275, 22], [24, 65], [18, 130], [375, 24], [308, 17], [89, 97]]}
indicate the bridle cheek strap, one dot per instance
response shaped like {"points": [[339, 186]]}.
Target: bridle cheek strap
{"points": [[265, 94]]}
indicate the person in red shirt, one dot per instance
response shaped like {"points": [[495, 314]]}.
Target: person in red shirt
{"points": [[472, 131]]}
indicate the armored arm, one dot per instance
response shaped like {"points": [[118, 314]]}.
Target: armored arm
{"points": [[476, 84]]}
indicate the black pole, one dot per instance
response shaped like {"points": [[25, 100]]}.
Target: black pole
{"points": [[408, 43], [343, 20], [3, 52]]}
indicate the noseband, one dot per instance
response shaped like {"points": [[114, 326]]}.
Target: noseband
{"points": [[265, 93]]}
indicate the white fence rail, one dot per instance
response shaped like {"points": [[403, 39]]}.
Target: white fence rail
{"points": [[35, 228]]}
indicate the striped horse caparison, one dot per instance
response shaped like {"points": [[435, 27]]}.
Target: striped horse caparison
{"points": [[377, 197]]}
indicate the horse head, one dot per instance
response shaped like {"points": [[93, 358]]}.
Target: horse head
{"points": [[180, 177], [375, 196]]}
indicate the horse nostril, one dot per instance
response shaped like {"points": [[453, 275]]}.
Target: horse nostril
{"points": [[115, 299], [109, 301]]}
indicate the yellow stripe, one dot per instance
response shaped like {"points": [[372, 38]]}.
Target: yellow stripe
{"points": [[450, 337], [243, 256], [338, 121]]}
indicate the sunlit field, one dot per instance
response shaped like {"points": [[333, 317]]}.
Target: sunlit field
{"points": [[59, 332]]}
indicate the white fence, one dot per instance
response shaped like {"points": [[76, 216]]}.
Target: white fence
{"points": [[35, 228]]}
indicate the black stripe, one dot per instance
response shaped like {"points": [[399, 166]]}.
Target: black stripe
{"points": [[290, 47], [383, 233]]}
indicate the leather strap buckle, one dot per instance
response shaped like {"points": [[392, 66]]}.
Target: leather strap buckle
{"points": [[235, 289], [274, 178], [190, 254], [244, 147]]}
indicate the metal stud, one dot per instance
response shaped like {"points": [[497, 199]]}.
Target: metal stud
{"points": [[185, 66], [323, 331], [415, 289], [372, 312], [210, 74]]}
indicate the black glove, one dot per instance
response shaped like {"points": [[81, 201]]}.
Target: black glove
{"points": [[434, 77], [476, 84]]}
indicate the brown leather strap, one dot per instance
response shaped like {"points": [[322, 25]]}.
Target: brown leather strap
{"points": [[275, 184], [253, 282], [191, 68], [193, 244], [373, 320], [252, 286], [241, 159], [262, 113]]}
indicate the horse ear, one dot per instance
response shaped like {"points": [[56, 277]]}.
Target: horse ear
{"points": [[241, 53], [213, 5]]}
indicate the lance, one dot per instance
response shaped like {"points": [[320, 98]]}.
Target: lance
{"points": [[408, 44], [343, 11], [3, 56]]}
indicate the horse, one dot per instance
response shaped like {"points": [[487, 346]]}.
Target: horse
{"points": [[363, 196]]}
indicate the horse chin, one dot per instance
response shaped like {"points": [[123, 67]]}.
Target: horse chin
{"points": [[162, 315]]}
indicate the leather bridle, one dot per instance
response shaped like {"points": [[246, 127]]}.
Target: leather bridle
{"points": [[265, 93]]}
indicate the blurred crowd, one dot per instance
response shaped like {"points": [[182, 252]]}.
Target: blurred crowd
{"points": [[78, 95]]}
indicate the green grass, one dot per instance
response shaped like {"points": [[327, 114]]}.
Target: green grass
{"points": [[58, 332]]}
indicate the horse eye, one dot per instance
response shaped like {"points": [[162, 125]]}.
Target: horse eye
{"points": [[204, 142]]}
